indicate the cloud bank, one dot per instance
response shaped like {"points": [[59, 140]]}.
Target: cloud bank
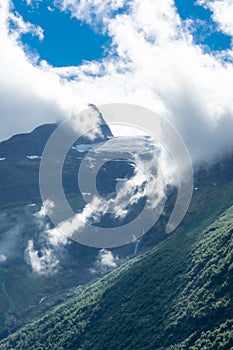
{"points": [[153, 61]]}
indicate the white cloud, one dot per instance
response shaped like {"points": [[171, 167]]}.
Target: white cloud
{"points": [[46, 209], [154, 64], [43, 262], [27, 92], [3, 258], [105, 262], [52, 237], [22, 27], [31, 91], [158, 66], [90, 11], [55, 237], [222, 13], [45, 259], [91, 120], [94, 211], [66, 229], [146, 183], [107, 259]]}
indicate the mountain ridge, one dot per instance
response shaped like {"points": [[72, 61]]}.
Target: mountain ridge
{"points": [[20, 160]]}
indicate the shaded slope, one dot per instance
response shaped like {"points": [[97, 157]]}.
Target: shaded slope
{"points": [[171, 295], [19, 175]]}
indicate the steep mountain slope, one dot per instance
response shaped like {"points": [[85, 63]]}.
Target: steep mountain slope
{"points": [[20, 160], [20, 288], [24, 294], [177, 296]]}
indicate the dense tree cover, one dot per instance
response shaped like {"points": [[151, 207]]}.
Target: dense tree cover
{"points": [[220, 338], [177, 296]]}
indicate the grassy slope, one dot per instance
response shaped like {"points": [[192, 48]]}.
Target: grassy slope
{"points": [[178, 295], [20, 291]]}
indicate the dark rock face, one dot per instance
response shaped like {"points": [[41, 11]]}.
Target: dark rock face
{"points": [[19, 174], [22, 145], [33, 143]]}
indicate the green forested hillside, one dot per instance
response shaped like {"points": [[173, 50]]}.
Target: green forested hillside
{"points": [[177, 296]]}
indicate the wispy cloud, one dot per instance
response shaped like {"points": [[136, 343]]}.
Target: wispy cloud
{"points": [[22, 27], [105, 262], [44, 250], [3, 258], [91, 11], [107, 259], [145, 184], [45, 209], [9, 241], [43, 262], [222, 13]]}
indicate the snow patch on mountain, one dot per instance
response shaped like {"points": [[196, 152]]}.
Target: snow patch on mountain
{"points": [[34, 157]]}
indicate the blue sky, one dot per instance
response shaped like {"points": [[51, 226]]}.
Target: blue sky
{"points": [[68, 41], [206, 31]]}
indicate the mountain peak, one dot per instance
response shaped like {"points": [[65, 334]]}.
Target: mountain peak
{"points": [[33, 143]]}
